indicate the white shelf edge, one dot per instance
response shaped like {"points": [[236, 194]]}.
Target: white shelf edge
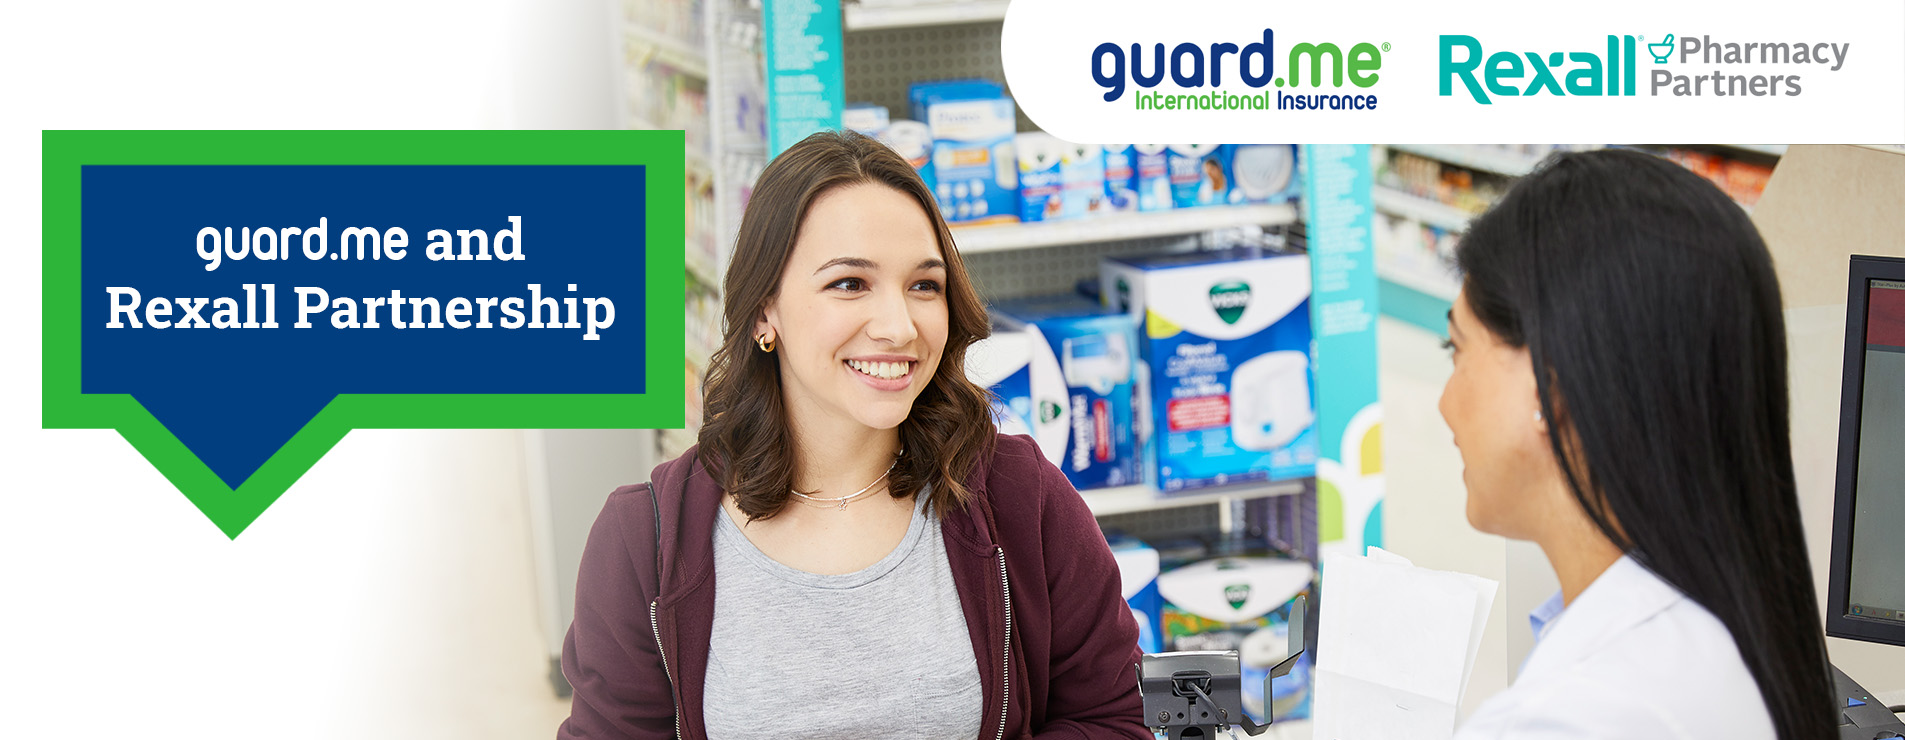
{"points": [[1142, 497], [1777, 150], [859, 17], [1119, 226], [1393, 201], [673, 52], [1473, 157]]}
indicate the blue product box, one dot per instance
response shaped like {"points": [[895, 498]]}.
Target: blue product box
{"points": [[1041, 176], [1082, 167], [1225, 343], [1199, 174], [1138, 579], [974, 162], [1121, 178], [1093, 352], [921, 95], [1028, 388], [1152, 179], [914, 142]]}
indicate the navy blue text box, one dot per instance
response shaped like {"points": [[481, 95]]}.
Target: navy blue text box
{"points": [[235, 395]]}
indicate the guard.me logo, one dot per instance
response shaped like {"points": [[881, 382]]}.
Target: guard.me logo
{"points": [[1192, 68], [1577, 73]]}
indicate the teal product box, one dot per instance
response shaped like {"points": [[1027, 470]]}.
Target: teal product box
{"points": [[1153, 177], [1121, 173], [1226, 345], [975, 165], [1082, 167], [1094, 353], [1138, 580], [1041, 176], [914, 142], [1199, 173], [1028, 388], [1263, 173], [921, 95]]}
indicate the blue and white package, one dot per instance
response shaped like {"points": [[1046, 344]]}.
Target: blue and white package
{"points": [[1199, 174], [1263, 173], [1083, 170], [1094, 352], [1138, 581], [1121, 178], [1041, 176], [913, 141], [974, 162], [1242, 604], [1028, 388], [1226, 342], [1153, 178], [921, 95]]}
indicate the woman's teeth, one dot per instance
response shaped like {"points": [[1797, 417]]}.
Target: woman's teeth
{"points": [[881, 370]]}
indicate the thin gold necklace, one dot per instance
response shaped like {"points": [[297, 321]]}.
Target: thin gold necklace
{"points": [[839, 503]]}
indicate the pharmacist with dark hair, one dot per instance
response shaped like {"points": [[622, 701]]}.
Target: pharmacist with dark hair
{"points": [[1619, 398]]}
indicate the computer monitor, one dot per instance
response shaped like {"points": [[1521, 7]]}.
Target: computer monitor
{"points": [[1866, 595]]}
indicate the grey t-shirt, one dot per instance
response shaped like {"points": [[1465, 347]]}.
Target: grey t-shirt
{"points": [[879, 653]]}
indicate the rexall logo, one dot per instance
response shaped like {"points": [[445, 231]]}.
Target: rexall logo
{"points": [[1719, 68]]}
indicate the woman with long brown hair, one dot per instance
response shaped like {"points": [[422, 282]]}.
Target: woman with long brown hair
{"points": [[852, 550]]}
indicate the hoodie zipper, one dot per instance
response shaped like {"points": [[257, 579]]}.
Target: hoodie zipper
{"points": [[1005, 663], [655, 624]]}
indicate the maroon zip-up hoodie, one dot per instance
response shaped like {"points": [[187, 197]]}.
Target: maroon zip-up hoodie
{"points": [[1057, 648]]}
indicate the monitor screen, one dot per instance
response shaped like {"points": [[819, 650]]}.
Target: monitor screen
{"points": [[1876, 584]]}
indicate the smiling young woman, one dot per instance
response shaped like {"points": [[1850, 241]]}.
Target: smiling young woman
{"points": [[852, 551]]}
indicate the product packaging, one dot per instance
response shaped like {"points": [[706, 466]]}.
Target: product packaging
{"points": [[974, 164], [1028, 388], [1083, 170], [1242, 604], [1199, 173], [1041, 176], [1138, 577], [1121, 178], [865, 118], [913, 141], [1263, 173], [1093, 351], [1225, 346], [1153, 178]]}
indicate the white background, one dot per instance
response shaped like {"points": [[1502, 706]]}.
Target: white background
{"points": [[123, 611], [1048, 45]]}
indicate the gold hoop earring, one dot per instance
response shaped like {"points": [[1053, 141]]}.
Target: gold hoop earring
{"points": [[766, 345]]}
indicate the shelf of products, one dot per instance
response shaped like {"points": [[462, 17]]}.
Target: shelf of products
{"points": [[1498, 160], [868, 16], [1442, 215], [1118, 227], [645, 45], [1128, 499]]}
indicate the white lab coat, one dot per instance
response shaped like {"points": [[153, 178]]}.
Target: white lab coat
{"points": [[1631, 658]]}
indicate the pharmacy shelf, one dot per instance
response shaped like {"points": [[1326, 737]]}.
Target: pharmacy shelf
{"points": [[1129, 499], [1119, 227], [1442, 286], [667, 50], [1393, 201], [859, 17], [1485, 159]]}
